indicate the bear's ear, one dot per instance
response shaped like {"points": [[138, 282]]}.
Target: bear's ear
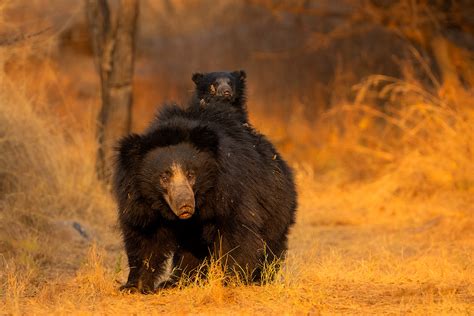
{"points": [[205, 139], [240, 75], [197, 77], [130, 149], [164, 136]]}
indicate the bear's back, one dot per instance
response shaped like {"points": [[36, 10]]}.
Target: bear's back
{"points": [[252, 173]]}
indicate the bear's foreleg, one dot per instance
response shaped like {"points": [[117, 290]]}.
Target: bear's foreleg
{"points": [[150, 260]]}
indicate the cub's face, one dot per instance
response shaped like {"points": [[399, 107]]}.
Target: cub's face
{"points": [[219, 85], [175, 175]]}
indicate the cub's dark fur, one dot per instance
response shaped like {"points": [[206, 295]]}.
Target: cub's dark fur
{"points": [[229, 88], [228, 109]]}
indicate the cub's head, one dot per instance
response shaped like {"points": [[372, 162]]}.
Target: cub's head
{"points": [[170, 170], [228, 86]]}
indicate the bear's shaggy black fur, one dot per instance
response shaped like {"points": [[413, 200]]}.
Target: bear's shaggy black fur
{"points": [[226, 87], [244, 196], [231, 108]]}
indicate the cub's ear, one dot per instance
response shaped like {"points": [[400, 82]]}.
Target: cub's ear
{"points": [[205, 139], [197, 77], [240, 74], [129, 149]]}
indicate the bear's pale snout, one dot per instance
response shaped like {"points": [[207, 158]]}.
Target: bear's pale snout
{"points": [[180, 195]]}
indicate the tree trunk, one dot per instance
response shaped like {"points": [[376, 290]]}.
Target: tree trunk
{"points": [[114, 51]]}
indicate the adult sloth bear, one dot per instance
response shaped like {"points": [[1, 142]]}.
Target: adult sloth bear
{"points": [[195, 184]]}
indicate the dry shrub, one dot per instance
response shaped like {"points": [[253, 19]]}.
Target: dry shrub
{"points": [[93, 276], [46, 178], [400, 126], [400, 154], [16, 279], [422, 139]]}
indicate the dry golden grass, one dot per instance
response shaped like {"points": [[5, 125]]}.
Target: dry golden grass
{"points": [[400, 240], [385, 222]]}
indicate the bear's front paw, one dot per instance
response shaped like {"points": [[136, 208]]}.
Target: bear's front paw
{"points": [[134, 288], [147, 290], [129, 288]]}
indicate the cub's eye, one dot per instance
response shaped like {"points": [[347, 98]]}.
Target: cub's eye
{"points": [[164, 178], [212, 88], [190, 175]]}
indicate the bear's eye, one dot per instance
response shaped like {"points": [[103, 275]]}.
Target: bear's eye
{"points": [[190, 175]]}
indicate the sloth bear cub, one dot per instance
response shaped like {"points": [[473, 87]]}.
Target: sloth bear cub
{"points": [[228, 88]]}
